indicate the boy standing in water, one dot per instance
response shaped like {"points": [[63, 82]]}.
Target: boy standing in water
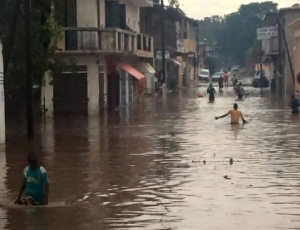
{"points": [[235, 115], [35, 183]]}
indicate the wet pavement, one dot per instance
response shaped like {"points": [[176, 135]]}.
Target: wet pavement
{"points": [[144, 168]]}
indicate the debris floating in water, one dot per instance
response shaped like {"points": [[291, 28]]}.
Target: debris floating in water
{"points": [[173, 150], [227, 178]]}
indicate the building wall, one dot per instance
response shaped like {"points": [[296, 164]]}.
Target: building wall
{"points": [[289, 17], [132, 15], [87, 13], [93, 64]]}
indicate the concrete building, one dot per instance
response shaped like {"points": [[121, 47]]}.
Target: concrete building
{"points": [[275, 48], [101, 43], [295, 27]]}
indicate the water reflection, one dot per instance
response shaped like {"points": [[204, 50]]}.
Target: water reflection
{"points": [[143, 167]]}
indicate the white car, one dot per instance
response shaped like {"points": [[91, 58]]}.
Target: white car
{"points": [[204, 75], [217, 75]]}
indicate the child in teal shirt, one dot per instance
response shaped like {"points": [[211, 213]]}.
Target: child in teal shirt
{"points": [[35, 183]]}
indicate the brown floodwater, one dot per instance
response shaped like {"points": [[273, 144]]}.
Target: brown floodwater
{"points": [[142, 168]]}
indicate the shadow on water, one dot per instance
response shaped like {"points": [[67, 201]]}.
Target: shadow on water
{"points": [[143, 167]]}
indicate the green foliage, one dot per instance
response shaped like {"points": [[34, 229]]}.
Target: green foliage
{"points": [[173, 3], [45, 33], [236, 33], [211, 63]]}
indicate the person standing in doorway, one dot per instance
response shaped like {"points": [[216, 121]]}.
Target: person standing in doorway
{"points": [[273, 82]]}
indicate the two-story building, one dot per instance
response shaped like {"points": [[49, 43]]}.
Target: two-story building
{"points": [[174, 40], [101, 42], [276, 48]]}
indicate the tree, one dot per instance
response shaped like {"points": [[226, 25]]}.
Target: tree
{"points": [[211, 63], [45, 35], [238, 30], [173, 3]]}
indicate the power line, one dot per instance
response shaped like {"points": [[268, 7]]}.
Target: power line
{"points": [[227, 7]]}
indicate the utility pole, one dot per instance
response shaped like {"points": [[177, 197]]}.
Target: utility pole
{"points": [[260, 65], [279, 55], [30, 119], [163, 51]]}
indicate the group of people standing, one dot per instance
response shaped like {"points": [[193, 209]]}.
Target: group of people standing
{"points": [[223, 80]]}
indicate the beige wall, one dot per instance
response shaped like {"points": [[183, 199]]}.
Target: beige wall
{"points": [[290, 16], [87, 13], [92, 62], [132, 15]]}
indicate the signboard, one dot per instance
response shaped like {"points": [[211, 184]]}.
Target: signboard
{"points": [[266, 33], [180, 45], [36, 86], [158, 54]]}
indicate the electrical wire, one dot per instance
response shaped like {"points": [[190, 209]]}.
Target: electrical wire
{"points": [[227, 7]]}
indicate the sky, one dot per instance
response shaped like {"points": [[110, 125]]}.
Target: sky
{"points": [[198, 9]]}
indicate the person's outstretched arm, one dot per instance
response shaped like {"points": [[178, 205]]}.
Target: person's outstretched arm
{"points": [[225, 115]]}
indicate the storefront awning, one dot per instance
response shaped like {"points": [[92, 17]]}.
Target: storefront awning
{"points": [[175, 61], [144, 67], [135, 73]]}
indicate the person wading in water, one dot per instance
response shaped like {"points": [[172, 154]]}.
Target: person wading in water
{"points": [[294, 104], [211, 91], [35, 183], [235, 115]]}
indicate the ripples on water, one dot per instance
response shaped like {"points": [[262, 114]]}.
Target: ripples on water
{"points": [[143, 169]]}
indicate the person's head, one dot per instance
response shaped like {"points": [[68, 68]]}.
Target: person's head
{"points": [[210, 85], [240, 84], [292, 96], [234, 76], [32, 160], [235, 106]]}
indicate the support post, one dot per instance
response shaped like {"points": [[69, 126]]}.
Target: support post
{"points": [[30, 118], [163, 52]]}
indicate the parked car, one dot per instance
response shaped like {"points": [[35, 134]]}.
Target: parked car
{"points": [[235, 68], [256, 82], [204, 75], [216, 76]]}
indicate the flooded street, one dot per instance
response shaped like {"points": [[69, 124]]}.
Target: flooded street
{"points": [[144, 168]]}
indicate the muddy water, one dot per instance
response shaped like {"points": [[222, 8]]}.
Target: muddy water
{"points": [[143, 168]]}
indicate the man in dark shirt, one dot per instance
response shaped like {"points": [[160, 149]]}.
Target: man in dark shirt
{"points": [[294, 104]]}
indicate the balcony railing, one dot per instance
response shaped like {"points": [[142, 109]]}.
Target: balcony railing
{"points": [[105, 40]]}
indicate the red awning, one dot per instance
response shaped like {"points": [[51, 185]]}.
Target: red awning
{"points": [[135, 73]]}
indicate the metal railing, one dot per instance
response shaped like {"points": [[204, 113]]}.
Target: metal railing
{"points": [[104, 40]]}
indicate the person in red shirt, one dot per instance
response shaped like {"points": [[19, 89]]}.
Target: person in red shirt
{"points": [[225, 78]]}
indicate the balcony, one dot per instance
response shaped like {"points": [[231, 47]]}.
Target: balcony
{"points": [[105, 41], [271, 46]]}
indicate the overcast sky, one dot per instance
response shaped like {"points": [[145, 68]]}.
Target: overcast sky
{"points": [[198, 9]]}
